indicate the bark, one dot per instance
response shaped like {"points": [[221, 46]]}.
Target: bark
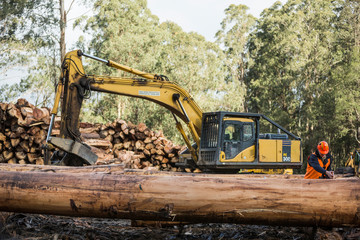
{"points": [[62, 30], [41, 113], [184, 197], [119, 168]]}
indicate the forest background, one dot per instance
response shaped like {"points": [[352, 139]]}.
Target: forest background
{"points": [[298, 63]]}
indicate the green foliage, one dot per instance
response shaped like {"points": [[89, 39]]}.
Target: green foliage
{"points": [[8, 92], [28, 32], [39, 85], [127, 32], [23, 19], [347, 77], [301, 53], [233, 37]]}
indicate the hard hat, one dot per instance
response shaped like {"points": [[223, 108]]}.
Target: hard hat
{"points": [[323, 147]]}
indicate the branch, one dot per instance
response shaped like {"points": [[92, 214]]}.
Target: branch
{"points": [[70, 6], [78, 16], [356, 138], [357, 114]]}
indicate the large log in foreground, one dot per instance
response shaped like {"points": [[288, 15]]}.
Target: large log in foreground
{"points": [[184, 198], [120, 169]]}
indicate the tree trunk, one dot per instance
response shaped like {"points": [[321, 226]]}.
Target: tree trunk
{"points": [[183, 197], [62, 30]]}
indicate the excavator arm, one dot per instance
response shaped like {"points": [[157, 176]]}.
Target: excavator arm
{"points": [[75, 84]]}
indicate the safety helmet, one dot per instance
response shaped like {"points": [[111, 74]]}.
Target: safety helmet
{"points": [[323, 147]]}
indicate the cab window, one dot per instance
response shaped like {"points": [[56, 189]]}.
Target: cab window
{"points": [[237, 137], [248, 132], [233, 132], [232, 139]]}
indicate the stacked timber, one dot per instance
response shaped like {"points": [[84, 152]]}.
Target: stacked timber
{"points": [[136, 146], [23, 130]]}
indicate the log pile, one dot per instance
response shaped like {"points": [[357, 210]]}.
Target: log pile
{"points": [[136, 146], [23, 129]]}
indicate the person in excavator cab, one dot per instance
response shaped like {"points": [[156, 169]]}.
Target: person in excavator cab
{"points": [[319, 163]]}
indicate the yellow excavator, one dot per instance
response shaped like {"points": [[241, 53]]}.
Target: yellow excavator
{"points": [[223, 141]]}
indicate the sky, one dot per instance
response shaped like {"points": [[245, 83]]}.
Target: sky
{"points": [[201, 16]]}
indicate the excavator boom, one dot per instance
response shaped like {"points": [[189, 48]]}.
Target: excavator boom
{"points": [[156, 88]]}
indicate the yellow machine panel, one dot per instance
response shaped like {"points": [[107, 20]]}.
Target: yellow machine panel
{"points": [[268, 150], [238, 119], [271, 150], [248, 155], [295, 151]]}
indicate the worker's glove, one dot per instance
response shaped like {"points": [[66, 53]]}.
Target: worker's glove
{"points": [[330, 174]]}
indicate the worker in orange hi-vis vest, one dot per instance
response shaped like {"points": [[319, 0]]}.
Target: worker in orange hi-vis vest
{"points": [[319, 163]]}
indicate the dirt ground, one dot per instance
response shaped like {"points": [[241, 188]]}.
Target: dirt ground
{"points": [[36, 226]]}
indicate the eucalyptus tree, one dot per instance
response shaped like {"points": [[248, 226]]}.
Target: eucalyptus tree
{"points": [[22, 27], [347, 75], [127, 32], [123, 31], [233, 38], [291, 49], [301, 55], [29, 40]]}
